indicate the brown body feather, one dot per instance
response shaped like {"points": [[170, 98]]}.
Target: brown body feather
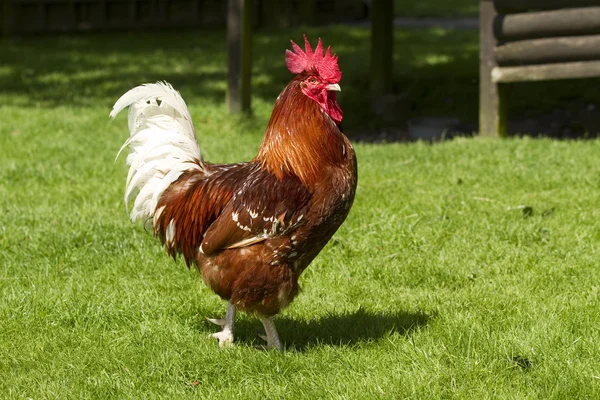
{"points": [[252, 228]]}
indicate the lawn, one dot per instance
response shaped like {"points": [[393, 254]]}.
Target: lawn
{"points": [[466, 269]]}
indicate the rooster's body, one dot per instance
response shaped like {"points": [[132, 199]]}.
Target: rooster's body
{"points": [[251, 228]]}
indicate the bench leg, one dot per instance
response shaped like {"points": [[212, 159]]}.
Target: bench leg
{"points": [[492, 99], [492, 110]]}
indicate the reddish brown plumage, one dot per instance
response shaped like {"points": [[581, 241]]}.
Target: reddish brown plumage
{"points": [[300, 139], [252, 228]]}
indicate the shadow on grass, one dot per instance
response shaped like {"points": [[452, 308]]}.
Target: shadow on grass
{"points": [[95, 69], [343, 329], [435, 74]]}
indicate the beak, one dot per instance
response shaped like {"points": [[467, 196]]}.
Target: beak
{"points": [[334, 87]]}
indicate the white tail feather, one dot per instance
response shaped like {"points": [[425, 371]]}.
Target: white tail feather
{"points": [[162, 144]]}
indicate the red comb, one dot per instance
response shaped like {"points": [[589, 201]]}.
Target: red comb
{"points": [[326, 65]]}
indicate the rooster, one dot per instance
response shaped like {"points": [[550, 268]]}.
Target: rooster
{"points": [[250, 228]]}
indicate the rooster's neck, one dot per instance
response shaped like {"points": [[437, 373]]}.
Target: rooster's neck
{"points": [[301, 139]]}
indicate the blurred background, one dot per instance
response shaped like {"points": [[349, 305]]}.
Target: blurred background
{"points": [[416, 64]]}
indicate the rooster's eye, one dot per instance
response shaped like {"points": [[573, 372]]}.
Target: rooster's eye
{"points": [[312, 81]]}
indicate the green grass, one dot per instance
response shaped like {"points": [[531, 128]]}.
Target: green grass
{"points": [[88, 70], [466, 269], [436, 70]]}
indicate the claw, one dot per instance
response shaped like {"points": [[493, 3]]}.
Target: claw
{"points": [[225, 338], [271, 336], [268, 345], [276, 346], [217, 321]]}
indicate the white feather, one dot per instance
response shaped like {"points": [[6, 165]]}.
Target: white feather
{"points": [[162, 144], [158, 214], [170, 234]]}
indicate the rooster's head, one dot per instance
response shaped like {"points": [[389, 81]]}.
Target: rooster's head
{"points": [[319, 74]]}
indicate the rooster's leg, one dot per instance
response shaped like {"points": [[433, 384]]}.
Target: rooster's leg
{"points": [[225, 337], [272, 337]]}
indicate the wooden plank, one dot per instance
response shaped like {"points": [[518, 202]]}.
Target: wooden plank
{"points": [[543, 51], [132, 13], [42, 16], [234, 61], [515, 6], [277, 13], [307, 11], [492, 116], [162, 16], [73, 16], [18, 2], [382, 45], [103, 11], [239, 55], [7, 18], [556, 23], [572, 70], [246, 73], [196, 11]]}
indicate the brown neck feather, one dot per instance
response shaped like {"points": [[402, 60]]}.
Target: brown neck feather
{"points": [[300, 138]]}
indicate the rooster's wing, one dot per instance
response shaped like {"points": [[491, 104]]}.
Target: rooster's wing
{"points": [[262, 208]]}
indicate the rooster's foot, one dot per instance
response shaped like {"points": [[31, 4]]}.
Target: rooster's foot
{"points": [[271, 336], [225, 337], [217, 321]]}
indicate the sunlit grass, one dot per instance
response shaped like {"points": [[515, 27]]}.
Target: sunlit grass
{"points": [[466, 269]]}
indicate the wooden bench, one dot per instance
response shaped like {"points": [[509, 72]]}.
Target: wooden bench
{"points": [[533, 40]]}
